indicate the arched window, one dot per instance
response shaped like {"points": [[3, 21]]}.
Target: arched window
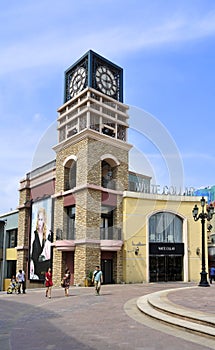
{"points": [[108, 175], [165, 227], [70, 175], [109, 171]]}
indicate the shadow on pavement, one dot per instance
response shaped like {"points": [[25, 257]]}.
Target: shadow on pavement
{"points": [[25, 327]]}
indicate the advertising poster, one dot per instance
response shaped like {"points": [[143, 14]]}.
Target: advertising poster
{"points": [[41, 238]]}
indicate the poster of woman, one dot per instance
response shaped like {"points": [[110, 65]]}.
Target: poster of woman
{"points": [[41, 238]]}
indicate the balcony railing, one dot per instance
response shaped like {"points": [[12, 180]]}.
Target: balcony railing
{"points": [[111, 233], [110, 184], [71, 234]]}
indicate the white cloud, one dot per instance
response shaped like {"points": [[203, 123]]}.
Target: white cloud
{"points": [[46, 48], [200, 156], [37, 117]]}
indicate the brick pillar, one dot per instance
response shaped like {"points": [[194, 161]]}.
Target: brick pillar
{"points": [[118, 267], [57, 262], [57, 267], [87, 216], [24, 226], [87, 256]]}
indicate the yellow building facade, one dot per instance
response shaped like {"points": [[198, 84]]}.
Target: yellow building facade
{"points": [[160, 251]]}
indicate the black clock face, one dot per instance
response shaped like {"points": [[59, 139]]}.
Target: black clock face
{"points": [[77, 81], [106, 81]]}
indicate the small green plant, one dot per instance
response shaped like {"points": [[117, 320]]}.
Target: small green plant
{"points": [[90, 275], [89, 282]]}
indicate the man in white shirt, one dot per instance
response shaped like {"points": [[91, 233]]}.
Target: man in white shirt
{"points": [[20, 277], [97, 279]]}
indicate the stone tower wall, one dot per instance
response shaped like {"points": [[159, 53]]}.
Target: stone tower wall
{"points": [[89, 153]]}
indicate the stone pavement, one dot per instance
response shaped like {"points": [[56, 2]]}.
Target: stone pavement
{"points": [[110, 321]]}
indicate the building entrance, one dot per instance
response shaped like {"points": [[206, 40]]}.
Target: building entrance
{"points": [[107, 269], [165, 268]]}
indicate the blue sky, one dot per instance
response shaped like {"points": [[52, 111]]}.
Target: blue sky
{"points": [[167, 52]]}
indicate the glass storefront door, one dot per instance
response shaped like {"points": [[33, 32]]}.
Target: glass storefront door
{"points": [[164, 268]]}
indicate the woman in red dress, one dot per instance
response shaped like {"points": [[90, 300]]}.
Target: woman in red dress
{"points": [[49, 283]]}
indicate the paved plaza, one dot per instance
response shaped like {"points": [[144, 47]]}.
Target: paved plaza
{"points": [[110, 321]]}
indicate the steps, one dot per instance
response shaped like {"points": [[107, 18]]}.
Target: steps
{"points": [[157, 306]]}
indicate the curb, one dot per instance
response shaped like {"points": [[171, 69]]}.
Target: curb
{"points": [[157, 306]]}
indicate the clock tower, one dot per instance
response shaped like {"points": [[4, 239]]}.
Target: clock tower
{"points": [[94, 71], [91, 170]]}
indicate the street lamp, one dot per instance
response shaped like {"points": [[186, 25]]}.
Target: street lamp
{"points": [[4, 222], [208, 214]]}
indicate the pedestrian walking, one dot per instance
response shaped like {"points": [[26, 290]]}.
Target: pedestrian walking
{"points": [[212, 274], [48, 282], [97, 279], [66, 282], [20, 277]]}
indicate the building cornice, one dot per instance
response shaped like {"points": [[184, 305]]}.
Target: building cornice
{"points": [[161, 197], [69, 245], [83, 92], [82, 135], [84, 187]]}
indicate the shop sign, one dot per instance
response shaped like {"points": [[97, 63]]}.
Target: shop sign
{"points": [[166, 248], [141, 186]]}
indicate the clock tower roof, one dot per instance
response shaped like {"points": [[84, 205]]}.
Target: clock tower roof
{"points": [[91, 53]]}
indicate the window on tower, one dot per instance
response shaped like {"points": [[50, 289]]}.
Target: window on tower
{"points": [[70, 175]]}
